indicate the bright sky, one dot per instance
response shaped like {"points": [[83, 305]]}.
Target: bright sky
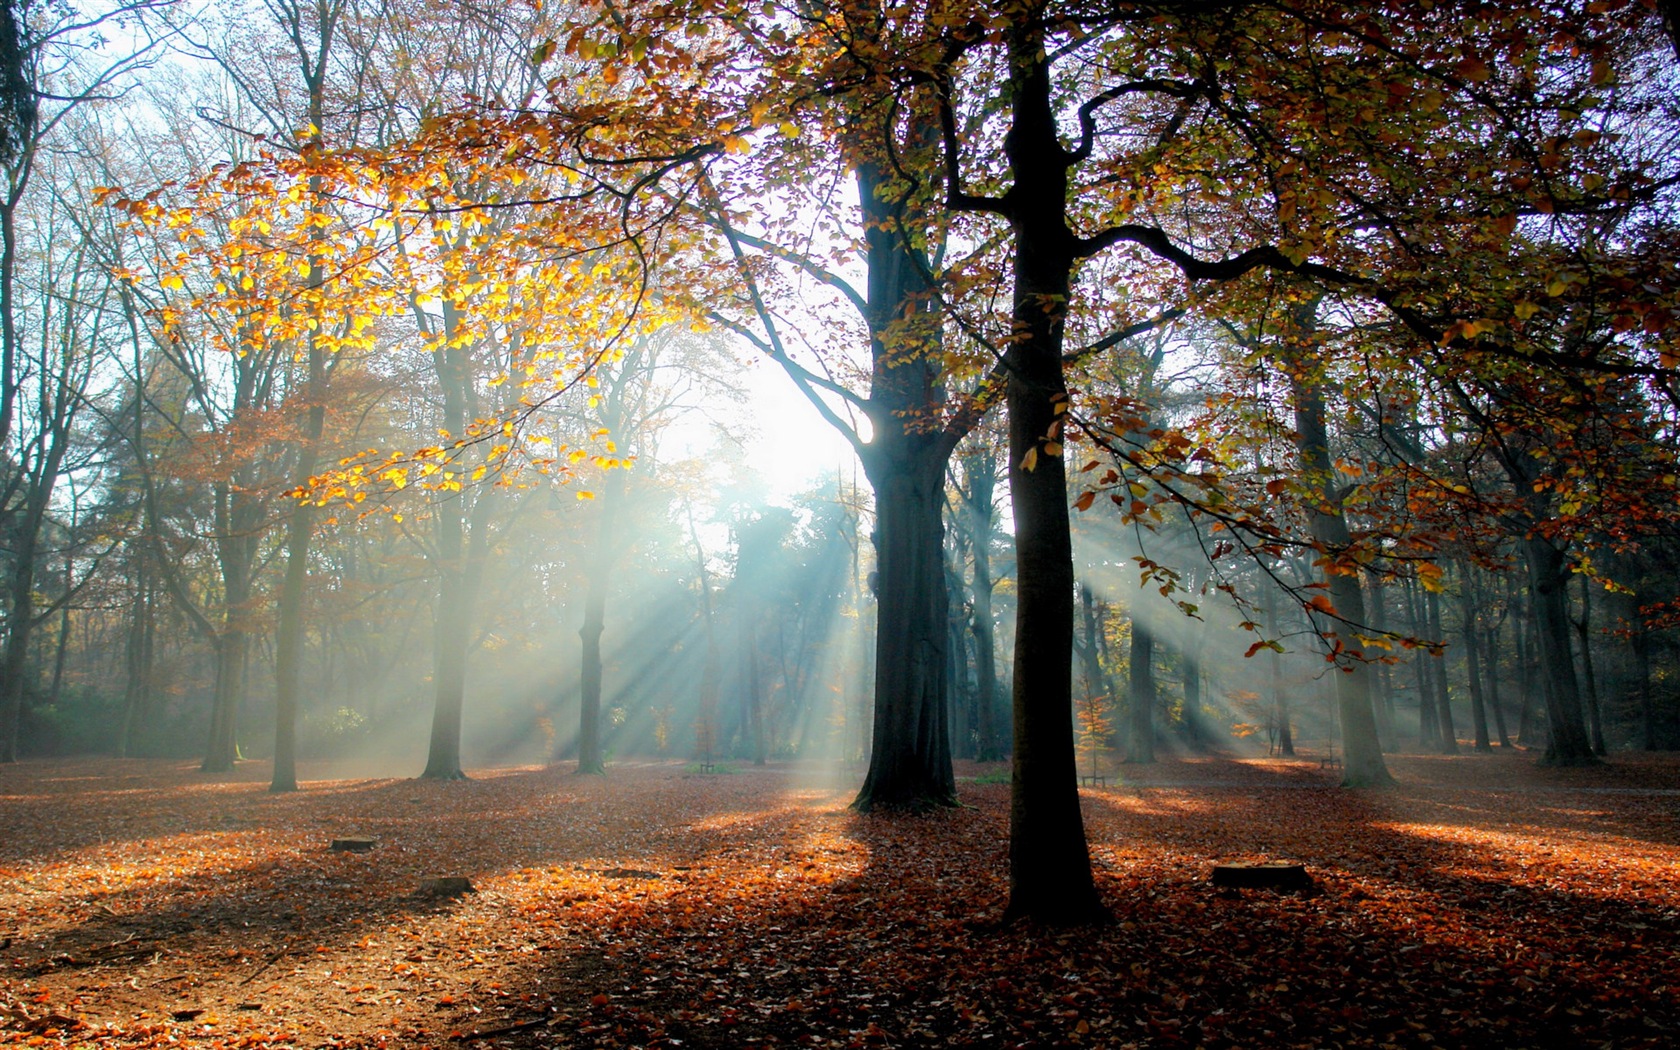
{"points": [[794, 447]]}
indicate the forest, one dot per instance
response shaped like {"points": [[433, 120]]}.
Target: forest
{"points": [[966, 406]]}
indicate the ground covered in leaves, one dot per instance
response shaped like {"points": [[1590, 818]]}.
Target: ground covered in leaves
{"points": [[1484, 902]]}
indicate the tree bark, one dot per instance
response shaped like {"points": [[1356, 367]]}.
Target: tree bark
{"points": [[1567, 743], [590, 758], [1472, 657], [910, 753], [1283, 738], [1140, 668], [1583, 631], [1494, 701], [980, 474], [1438, 673], [1050, 876], [910, 760], [1363, 764], [288, 642]]}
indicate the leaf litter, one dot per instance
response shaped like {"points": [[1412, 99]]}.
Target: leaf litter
{"points": [[1485, 900]]}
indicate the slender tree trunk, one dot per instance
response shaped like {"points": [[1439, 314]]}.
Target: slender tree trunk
{"points": [[1361, 750], [1283, 735], [1583, 631], [980, 478], [300, 523], [137, 662], [1429, 731], [1050, 876], [1438, 670], [1472, 656], [590, 757], [1642, 683], [1527, 682], [221, 750], [1494, 701], [1382, 679], [288, 642]]}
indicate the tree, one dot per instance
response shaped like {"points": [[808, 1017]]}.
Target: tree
{"points": [[59, 59]]}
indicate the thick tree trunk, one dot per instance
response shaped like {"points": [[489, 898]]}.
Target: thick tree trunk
{"points": [[910, 753], [1568, 744], [1140, 668], [221, 749], [910, 761]]}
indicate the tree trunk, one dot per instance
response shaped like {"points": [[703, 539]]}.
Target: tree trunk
{"points": [[1429, 730], [1140, 667], [910, 753], [288, 642], [138, 653], [1283, 737], [1438, 671], [13, 663], [1526, 679], [981, 478], [1363, 764], [1472, 657], [1568, 744], [1192, 670], [1494, 701], [221, 750], [590, 758], [1583, 631], [1382, 679], [1050, 876], [910, 760]]}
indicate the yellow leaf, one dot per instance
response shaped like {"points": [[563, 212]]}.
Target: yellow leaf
{"points": [[585, 494], [1030, 460]]}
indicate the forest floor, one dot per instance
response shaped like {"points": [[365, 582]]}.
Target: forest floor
{"points": [[1484, 902]]}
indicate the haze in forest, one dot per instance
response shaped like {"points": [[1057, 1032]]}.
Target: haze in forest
{"points": [[398, 388]]}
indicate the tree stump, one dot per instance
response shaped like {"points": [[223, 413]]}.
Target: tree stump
{"points": [[354, 844], [1261, 875], [445, 886]]}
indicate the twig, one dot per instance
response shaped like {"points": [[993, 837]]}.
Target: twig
{"points": [[491, 1033], [272, 959]]}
